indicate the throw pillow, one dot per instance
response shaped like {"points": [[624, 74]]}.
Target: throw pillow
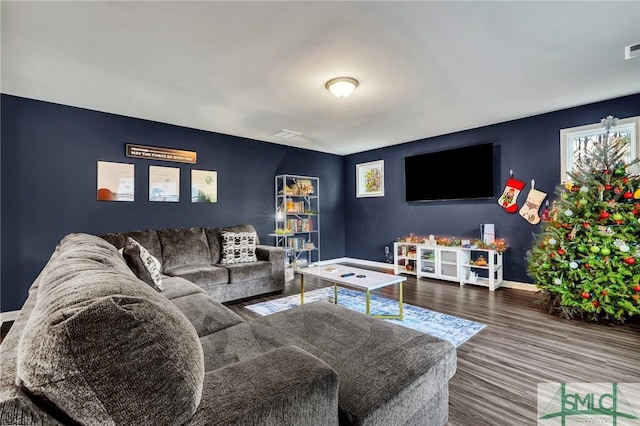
{"points": [[238, 247], [143, 264]]}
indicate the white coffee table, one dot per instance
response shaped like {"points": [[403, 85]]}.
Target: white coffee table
{"points": [[361, 279]]}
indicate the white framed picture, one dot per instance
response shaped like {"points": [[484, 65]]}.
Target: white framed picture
{"points": [[164, 184], [370, 179], [204, 186], [115, 181]]}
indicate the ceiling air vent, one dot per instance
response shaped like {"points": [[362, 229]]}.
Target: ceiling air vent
{"points": [[632, 51], [286, 134]]}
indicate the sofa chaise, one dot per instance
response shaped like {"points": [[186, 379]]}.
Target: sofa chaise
{"points": [[95, 345]]}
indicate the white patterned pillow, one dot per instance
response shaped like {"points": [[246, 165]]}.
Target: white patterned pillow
{"points": [[238, 247], [143, 264]]}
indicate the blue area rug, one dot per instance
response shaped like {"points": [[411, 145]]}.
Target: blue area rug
{"points": [[455, 330]]}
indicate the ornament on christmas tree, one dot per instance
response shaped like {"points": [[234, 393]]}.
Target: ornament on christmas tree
{"points": [[573, 233], [544, 216], [510, 194], [605, 230]]}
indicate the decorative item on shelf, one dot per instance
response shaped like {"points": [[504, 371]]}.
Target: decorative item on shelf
{"points": [[473, 277], [480, 261], [412, 238], [304, 187], [444, 241], [498, 245], [409, 266], [283, 231], [309, 246], [287, 190]]}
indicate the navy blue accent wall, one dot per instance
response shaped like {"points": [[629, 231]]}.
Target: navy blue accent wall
{"points": [[48, 184], [48, 177], [530, 147]]}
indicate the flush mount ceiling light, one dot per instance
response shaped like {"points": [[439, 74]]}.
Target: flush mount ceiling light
{"points": [[342, 87]]}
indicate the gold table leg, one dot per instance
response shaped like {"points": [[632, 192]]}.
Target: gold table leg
{"points": [[302, 289], [400, 309], [368, 306], [335, 293]]}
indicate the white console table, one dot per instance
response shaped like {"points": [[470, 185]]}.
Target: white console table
{"points": [[450, 263]]}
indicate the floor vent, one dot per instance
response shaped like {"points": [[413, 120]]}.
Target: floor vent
{"points": [[632, 51]]}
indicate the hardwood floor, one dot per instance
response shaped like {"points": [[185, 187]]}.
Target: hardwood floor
{"points": [[499, 368]]}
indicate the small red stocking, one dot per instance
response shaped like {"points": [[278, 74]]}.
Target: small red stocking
{"points": [[511, 191]]}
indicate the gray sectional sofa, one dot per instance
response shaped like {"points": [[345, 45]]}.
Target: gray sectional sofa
{"points": [[95, 345], [195, 254]]}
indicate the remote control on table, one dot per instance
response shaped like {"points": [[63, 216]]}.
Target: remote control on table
{"points": [[350, 274]]}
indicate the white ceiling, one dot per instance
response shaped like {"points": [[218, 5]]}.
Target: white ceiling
{"points": [[251, 69]]}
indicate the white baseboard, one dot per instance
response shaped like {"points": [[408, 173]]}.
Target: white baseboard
{"points": [[518, 285], [357, 261], [8, 316]]}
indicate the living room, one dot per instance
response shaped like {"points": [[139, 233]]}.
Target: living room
{"points": [[50, 151]]}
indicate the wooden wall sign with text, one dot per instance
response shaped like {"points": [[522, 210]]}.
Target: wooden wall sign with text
{"points": [[164, 154]]}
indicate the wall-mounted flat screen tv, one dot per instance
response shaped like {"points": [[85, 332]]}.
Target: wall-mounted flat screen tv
{"points": [[453, 174]]}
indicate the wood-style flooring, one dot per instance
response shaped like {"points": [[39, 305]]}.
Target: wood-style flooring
{"points": [[499, 368]]}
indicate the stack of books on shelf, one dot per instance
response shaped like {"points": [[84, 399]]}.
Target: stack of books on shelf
{"points": [[300, 225], [297, 243], [295, 206]]}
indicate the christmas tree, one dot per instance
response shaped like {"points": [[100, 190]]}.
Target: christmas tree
{"points": [[586, 259]]}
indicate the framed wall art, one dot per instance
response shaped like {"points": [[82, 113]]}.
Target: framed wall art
{"points": [[115, 181], [370, 179], [204, 186], [164, 184]]}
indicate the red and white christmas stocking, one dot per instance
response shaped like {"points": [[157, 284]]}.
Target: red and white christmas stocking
{"points": [[510, 194]]}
